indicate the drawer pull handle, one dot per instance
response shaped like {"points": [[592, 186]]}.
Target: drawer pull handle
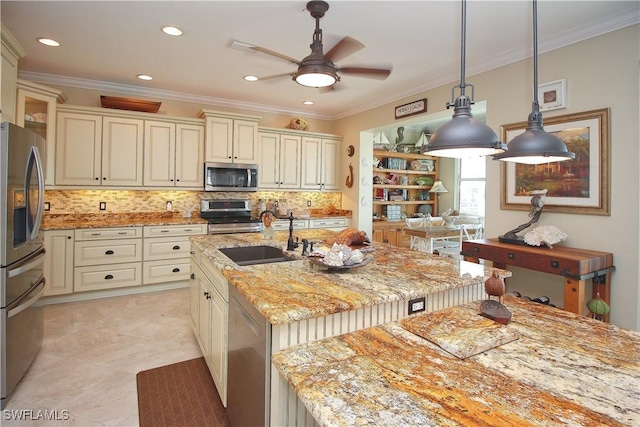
{"points": [[175, 270], [108, 277], [123, 232], [176, 248], [109, 252], [476, 249], [164, 231], [96, 234], [511, 255], [188, 229], [555, 264]]}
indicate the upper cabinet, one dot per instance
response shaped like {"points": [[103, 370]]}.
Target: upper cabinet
{"points": [[96, 150], [320, 163], [279, 160], [11, 51], [36, 110], [230, 138], [173, 154]]}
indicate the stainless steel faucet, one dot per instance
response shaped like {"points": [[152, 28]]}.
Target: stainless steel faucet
{"points": [[291, 245]]}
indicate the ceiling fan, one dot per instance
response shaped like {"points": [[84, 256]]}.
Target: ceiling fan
{"points": [[319, 69]]}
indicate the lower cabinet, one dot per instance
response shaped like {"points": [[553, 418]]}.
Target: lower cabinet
{"points": [[209, 317], [58, 262], [390, 232], [333, 224]]}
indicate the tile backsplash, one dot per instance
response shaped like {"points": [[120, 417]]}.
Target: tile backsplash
{"points": [[122, 201]]}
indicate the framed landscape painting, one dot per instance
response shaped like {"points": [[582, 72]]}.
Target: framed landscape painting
{"points": [[574, 186]]}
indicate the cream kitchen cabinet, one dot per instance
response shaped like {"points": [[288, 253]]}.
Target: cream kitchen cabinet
{"points": [[320, 163], [98, 150], [58, 262], [230, 138], [279, 160], [333, 224], [173, 154], [40, 102], [166, 252], [213, 313], [107, 258], [10, 52]]}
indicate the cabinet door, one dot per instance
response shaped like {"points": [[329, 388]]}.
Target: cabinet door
{"points": [[245, 139], [159, 153], [78, 149], [122, 147], [189, 156], [331, 165], [290, 161], [194, 298], [204, 318], [219, 140], [268, 160], [218, 358], [58, 262], [9, 53], [311, 163]]}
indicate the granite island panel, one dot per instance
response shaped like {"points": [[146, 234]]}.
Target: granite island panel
{"points": [[563, 370], [291, 291]]}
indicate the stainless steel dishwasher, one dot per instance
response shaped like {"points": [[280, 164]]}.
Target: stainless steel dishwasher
{"points": [[249, 373]]}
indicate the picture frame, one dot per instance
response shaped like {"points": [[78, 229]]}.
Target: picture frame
{"points": [[581, 186], [553, 95]]}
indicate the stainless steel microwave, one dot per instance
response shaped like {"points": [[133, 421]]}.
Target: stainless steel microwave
{"points": [[230, 177]]}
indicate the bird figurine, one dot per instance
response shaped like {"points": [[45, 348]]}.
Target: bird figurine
{"points": [[494, 310], [494, 286]]}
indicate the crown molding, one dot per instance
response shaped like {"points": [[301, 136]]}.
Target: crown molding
{"points": [[163, 94]]}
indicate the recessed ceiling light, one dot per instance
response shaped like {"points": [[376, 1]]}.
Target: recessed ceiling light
{"points": [[48, 42], [250, 78], [172, 31], [307, 102], [144, 77]]}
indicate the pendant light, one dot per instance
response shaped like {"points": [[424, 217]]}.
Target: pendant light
{"points": [[535, 146], [463, 136]]}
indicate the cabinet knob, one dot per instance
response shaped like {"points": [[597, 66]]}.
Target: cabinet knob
{"points": [[176, 248], [97, 178], [68, 237], [175, 270], [104, 178], [108, 277], [109, 252], [193, 276]]}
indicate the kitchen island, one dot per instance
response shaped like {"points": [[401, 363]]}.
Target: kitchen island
{"points": [[303, 303], [563, 369]]}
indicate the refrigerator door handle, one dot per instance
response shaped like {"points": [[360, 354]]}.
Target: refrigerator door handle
{"points": [[22, 305], [40, 172], [27, 264]]}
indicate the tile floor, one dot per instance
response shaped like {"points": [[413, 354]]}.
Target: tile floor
{"points": [[91, 353]]}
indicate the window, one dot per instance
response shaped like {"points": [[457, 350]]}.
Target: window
{"points": [[471, 182]]}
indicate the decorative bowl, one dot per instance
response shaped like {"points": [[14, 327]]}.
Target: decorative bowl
{"points": [[318, 261], [449, 220]]}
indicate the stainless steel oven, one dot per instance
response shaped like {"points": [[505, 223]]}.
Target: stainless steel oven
{"points": [[229, 216]]}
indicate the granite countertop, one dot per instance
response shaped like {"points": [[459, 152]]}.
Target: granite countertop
{"points": [[133, 219], [563, 369], [295, 290]]}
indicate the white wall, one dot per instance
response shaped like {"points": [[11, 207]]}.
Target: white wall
{"points": [[602, 72]]}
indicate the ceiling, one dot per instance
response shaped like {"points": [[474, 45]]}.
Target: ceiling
{"points": [[104, 45]]}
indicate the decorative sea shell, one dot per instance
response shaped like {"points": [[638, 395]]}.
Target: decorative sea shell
{"points": [[356, 257], [547, 234], [334, 259]]}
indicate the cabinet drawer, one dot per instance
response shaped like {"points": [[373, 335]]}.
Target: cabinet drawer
{"points": [[107, 276], [166, 270], [282, 224], [328, 223], [107, 233], [107, 252], [166, 248], [174, 230]]}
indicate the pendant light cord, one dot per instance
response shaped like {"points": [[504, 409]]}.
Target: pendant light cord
{"points": [[463, 46], [536, 104]]}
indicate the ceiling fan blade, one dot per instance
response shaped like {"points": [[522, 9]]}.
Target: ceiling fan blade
{"points": [[275, 76], [369, 73], [276, 54], [345, 47]]}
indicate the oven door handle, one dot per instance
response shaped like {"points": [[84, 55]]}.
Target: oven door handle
{"points": [[22, 304]]}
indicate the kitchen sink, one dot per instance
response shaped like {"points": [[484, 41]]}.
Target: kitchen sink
{"points": [[250, 255]]}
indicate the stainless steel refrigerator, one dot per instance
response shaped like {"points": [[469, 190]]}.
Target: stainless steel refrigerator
{"points": [[21, 252]]}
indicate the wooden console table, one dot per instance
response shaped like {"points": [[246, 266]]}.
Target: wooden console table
{"points": [[576, 265]]}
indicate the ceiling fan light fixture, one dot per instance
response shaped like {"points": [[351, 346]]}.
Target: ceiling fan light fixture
{"points": [[315, 76], [535, 146]]}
